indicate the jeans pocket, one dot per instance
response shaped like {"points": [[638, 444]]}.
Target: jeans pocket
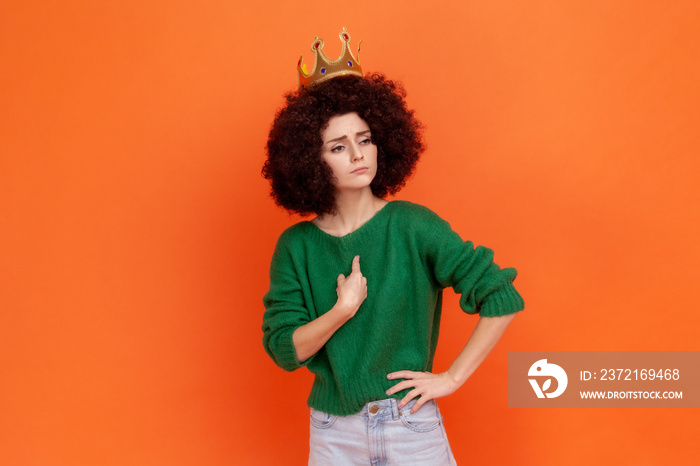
{"points": [[322, 420], [425, 420]]}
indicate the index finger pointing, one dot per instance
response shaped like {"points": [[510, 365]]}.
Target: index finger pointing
{"points": [[356, 264]]}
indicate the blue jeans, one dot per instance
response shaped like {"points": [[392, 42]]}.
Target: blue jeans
{"points": [[380, 434]]}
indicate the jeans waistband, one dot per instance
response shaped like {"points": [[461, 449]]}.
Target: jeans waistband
{"points": [[388, 408]]}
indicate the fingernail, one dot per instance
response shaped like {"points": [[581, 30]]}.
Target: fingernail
{"points": [[388, 376], [388, 392]]}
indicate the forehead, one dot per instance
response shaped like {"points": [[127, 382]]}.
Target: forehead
{"points": [[347, 124]]}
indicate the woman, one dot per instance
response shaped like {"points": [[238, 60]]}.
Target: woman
{"points": [[356, 293]]}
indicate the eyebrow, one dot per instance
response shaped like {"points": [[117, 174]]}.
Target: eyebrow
{"points": [[345, 137]]}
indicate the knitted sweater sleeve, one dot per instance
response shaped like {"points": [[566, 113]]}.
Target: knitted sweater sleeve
{"points": [[484, 287], [285, 310]]}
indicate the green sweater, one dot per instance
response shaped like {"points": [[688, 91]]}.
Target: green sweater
{"points": [[408, 255]]}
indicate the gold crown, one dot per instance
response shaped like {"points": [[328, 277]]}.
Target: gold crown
{"points": [[325, 69]]}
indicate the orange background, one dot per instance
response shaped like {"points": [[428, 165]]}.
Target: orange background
{"points": [[136, 231]]}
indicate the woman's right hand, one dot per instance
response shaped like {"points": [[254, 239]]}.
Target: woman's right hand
{"points": [[352, 290]]}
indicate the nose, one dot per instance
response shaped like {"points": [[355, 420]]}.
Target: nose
{"points": [[357, 154]]}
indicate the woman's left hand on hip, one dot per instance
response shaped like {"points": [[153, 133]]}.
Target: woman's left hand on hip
{"points": [[426, 384]]}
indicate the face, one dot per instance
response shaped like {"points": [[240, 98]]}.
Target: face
{"points": [[349, 151]]}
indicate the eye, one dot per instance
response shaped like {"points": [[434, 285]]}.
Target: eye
{"points": [[366, 141], [337, 148]]}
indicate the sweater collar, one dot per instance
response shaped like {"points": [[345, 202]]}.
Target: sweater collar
{"points": [[363, 231]]}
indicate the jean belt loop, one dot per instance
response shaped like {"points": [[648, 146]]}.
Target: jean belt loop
{"points": [[394, 409]]}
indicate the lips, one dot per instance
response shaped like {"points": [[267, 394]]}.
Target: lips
{"points": [[359, 170]]}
